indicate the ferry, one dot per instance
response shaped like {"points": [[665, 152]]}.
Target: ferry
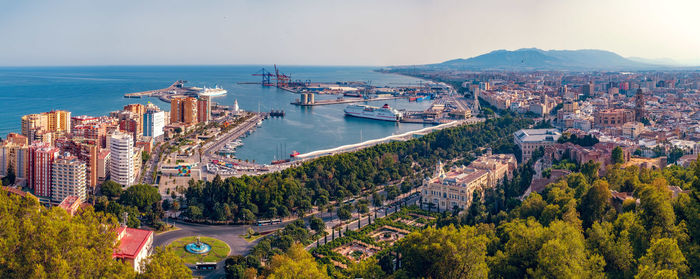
{"points": [[212, 92], [385, 112]]}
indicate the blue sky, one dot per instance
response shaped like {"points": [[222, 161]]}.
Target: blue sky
{"points": [[88, 32]]}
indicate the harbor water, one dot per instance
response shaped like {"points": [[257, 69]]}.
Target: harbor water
{"points": [[96, 91]]}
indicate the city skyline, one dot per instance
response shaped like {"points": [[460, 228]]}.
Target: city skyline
{"points": [[335, 33]]}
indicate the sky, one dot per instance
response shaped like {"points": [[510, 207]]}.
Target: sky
{"points": [[331, 32]]}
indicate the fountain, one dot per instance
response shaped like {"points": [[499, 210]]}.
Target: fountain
{"points": [[198, 247]]}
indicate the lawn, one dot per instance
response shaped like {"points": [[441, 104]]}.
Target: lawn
{"points": [[219, 249]]}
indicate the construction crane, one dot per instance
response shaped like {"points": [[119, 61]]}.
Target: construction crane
{"points": [[282, 79], [266, 77]]}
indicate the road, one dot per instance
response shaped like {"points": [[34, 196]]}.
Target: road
{"points": [[227, 233]]}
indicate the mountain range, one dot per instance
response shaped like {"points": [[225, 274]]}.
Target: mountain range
{"points": [[527, 59]]}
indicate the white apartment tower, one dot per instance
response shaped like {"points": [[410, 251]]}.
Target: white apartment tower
{"points": [[153, 121], [121, 163], [68, 178]]}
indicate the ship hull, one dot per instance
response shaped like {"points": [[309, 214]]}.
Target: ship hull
{"points": [[375, 117]]}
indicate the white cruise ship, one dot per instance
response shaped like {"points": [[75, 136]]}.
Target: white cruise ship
{"points": [[384, 113], [212, 92]]}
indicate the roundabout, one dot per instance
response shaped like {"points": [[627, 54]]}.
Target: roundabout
{"points": [[194, 249]]}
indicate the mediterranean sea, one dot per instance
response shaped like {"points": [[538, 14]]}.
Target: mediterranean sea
{"points": [[96, 91]]}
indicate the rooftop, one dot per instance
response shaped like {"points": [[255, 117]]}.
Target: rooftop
{"points": [[538, 135], [131, 243]]}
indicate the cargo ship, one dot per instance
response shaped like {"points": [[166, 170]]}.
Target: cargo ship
{"points": [[212, 92], [385, 112]]}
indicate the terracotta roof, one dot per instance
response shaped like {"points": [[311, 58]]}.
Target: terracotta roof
{"points": [[15, 191], [70, 204], [132, 242]]}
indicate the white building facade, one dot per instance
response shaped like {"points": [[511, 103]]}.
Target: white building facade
{"points": [[121, 163]]}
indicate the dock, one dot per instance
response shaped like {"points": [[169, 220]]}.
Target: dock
{"points": [[178, 88], [342, 100]]}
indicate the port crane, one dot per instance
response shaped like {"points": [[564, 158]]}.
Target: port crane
{"points": [[266, 77], [281, 79]]}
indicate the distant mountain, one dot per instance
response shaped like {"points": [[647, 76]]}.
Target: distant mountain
{"points": [[658, 61], [536, 59]]}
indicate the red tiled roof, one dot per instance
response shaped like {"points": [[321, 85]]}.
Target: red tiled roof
{"points": [[15, 191], [132, 242], [70, 204]]}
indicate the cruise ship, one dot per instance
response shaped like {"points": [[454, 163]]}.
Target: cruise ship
{"points": [[384, 113], [212, 92]]}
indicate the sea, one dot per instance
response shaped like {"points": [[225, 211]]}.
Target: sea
{"points": [[98, 90]]}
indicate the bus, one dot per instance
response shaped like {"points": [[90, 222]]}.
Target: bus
{"points": [[206, 266], [268, 222]]}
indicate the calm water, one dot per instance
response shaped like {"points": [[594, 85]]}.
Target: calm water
{"points": [[98, 90]]}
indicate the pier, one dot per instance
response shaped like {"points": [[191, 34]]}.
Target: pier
{"points": [[176, 89], [342, 100]]}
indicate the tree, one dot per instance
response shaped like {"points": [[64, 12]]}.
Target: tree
{"points": [[344, 212], [145, 156], [193, 212], [663, 260], [377, 199], [142, 196], [362, 206], [590, 170], [615, 248], [617, 156], [446, 252], [10, 178], [166, 204], [41, 242], [368, 269], [164, 264], [111, 189], [317, 224], [391, 192], [296, 263], [594, 203]]}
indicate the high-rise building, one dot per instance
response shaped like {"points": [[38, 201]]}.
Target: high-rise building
{"points": [[68, 178], [176, 109], [14, 153], [96, 132], [58, 121], [203, 109], [121, 162], [31, 124], [34, 126], [41, 157], [639, 112], [189, 110], [138, 110], [153, 123], [183, 110], [588, 89], [87, 151]]}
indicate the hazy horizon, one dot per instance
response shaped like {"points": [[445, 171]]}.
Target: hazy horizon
{"points": [[335, 33]]}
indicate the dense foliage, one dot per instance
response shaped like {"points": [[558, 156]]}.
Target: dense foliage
{"points": [[40, 242], [334, 178], [587, 140], [138, 202], [573, 229]]}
